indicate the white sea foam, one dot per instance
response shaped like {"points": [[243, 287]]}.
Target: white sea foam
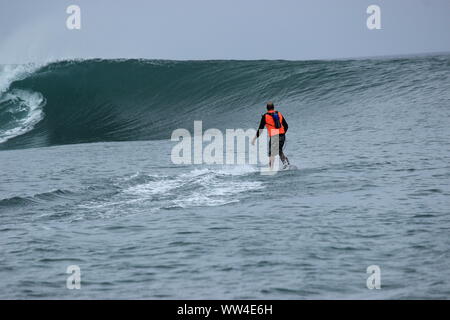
{"points": [[224, 170], [22, 101], [153, 188], [199, 187], [32, 103], [203, 187], [11, 73]]}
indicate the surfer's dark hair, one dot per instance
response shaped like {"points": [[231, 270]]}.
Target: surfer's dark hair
{"points": [[270, 106]]}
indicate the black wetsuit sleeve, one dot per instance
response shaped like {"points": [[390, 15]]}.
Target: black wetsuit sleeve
{"points": [[285, 125], [261, 125]]}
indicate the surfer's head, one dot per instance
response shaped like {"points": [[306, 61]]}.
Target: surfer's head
{"points": [[270, 105]]}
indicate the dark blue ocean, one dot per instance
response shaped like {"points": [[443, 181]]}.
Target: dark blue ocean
{"points": [[87, 179]]}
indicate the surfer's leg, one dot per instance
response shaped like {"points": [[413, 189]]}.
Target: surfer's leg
{"points": [[283, 158], [273, 150], [271, 161]]}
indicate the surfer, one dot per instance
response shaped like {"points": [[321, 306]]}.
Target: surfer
{"points": [[277, 127]]}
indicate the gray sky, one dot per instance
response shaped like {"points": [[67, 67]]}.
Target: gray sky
{"points": [[220, 29]]}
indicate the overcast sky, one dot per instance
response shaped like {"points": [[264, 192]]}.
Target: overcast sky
{"points": [[33, 31]]}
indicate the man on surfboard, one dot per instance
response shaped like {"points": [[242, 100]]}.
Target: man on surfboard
{"points": [[277, 127]]}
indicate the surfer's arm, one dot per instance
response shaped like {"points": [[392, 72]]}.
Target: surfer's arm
{"points": [[261, 125]]}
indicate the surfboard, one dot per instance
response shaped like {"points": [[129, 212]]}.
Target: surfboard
{"points": [[290, 167]]}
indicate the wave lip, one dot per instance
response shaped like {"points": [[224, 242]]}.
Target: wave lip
{"points": [[11, 73], [20, 109]]}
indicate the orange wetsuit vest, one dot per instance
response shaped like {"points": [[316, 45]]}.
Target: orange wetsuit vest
{"points": [[270, 123]]}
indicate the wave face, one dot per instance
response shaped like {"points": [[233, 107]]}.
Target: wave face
{"points": [[122, 100]]}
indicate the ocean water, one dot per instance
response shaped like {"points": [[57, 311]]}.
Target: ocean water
{"points": [[87, 179]]}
